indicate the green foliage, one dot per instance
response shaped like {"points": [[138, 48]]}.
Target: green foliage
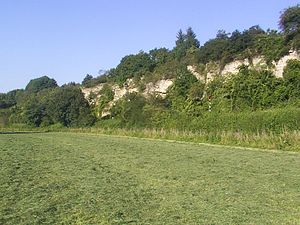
{"points": [[185, 42], [215, 49], [41, 83], [190, 39], [291, 75], [65, 105], [160, 56], [167, 70], [252, 89], [106, 95], [272, 120], [290, 24], [179, 92], [196, 91], [4, 117], [182, 83], [132, 66], [129, 109], [89, 81], [240, 45], [69, 107], [10, 99], [214, 87], [272, 46], [107, 92], [34, 111]]}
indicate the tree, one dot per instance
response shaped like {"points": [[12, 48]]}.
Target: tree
{"points": [[291, 76], [180, 38], [67, 106], [289, 23], [130, 109], [133, 66], [87, 79], [221, 34], [183, 83], [196, 92], [252, 89], [38, 84], [191, 40], [180, 48], [10, 98], [185, 42], [160, 56], [272, 46], [213, 50], [33, 110], [106, 95]]}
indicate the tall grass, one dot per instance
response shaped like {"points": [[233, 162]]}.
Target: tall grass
{"points": [[274, 120], [4, 117], [269, 129], [286, 140]]}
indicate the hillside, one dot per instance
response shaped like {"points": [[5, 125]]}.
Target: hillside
{"points": [[211, 70], [189, 87]]}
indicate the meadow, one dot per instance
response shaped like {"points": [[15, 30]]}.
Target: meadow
{"points": [[86, 178]]}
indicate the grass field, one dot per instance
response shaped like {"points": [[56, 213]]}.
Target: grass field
{"points": [[73, 178]]}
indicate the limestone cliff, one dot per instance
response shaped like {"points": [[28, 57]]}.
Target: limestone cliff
{"points": [[213, 69], [159, 88], [204, 74]]}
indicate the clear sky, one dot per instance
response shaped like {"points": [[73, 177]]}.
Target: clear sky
{"points": [[66, 39]]}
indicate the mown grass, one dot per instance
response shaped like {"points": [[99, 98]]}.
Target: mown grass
{"points": [[75, 178]]}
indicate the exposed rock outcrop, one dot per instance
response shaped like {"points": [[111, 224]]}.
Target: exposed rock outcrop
{"points": [[160, 87], [88, 92], [279, 66], [204, 74], [213, 69], [193, 70]]}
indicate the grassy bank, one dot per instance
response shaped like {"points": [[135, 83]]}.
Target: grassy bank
{"points": [[75, 178], [268, 129], [286, 140]]}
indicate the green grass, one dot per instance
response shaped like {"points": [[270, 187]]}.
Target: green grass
{"points": [[73, 178]]}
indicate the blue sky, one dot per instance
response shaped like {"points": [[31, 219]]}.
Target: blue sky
{"points": [[66, 39]]}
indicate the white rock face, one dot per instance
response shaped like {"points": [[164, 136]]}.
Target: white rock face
{"points": [[233, 67], [259, 63], [119, 92], [106, 110], [160, 87], [193, 70], [129, 87], [279, 66], [94, 90], [212, 70]]}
